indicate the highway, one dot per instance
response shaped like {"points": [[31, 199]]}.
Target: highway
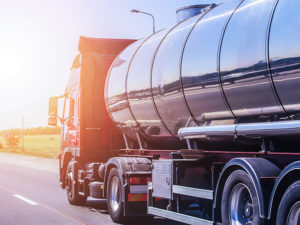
{"points": [[30, 195]]}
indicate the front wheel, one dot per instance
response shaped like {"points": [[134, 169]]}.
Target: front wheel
{"points": [[72, 188], [240, 201], [289, 207], [114, 196]]}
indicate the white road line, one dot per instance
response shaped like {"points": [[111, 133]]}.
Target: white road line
{"points": [[25, 199], [43, 205]]}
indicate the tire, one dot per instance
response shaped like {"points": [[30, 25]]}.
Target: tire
{"points": [[72, 188], [95, 189], [239, 201], [114, 196], [289, 207]]}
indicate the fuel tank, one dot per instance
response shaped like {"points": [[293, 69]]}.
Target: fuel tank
{"points": [[238, 62]]}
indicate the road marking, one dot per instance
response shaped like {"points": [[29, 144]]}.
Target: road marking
{"points": [[47, 207], [63, 214], [25, 199]]}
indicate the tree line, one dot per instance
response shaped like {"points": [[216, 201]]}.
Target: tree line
{"points": [[31, 131]]}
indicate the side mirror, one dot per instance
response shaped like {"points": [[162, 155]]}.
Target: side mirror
{"points": [[52, 121], [53, 107]]}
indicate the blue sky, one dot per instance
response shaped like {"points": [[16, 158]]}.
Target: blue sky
{"points": [[38, 41]]}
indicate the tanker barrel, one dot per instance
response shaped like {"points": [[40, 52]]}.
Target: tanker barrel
{"points": [[204, 79]]}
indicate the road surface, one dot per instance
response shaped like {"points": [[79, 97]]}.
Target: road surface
{"points": [[30, 195]]}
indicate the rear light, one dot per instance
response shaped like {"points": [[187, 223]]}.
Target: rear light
{"points": [[138, 180], [137, 197], [157, 199]]}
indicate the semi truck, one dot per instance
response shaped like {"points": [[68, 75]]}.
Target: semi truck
{"points": [[198, 123]]}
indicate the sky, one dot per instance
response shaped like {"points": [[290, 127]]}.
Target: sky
{"points": [[39, 39]]}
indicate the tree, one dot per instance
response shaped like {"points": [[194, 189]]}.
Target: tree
{"points": [[12, 141]]}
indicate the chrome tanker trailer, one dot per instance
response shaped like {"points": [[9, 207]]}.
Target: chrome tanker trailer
{"points": [[218, 72], [197, 123]]}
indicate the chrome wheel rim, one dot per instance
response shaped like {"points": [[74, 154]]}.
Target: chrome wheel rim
{"points": [[294, 214], [69, 184], [114, 193], [240, 206]]}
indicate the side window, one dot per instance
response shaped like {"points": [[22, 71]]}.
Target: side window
{"points": [[76, 103], [71, 108], [67, 105], [72, 105]]}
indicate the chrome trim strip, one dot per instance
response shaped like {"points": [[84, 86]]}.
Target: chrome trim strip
{"points": [[178, 216], [194, 192]]}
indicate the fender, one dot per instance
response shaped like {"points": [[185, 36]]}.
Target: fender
{"points": [[256, 168], [289, 175], [66, 157], [126, 165]]}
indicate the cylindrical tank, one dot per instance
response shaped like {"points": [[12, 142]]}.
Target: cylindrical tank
{"points": [[236, 63]]}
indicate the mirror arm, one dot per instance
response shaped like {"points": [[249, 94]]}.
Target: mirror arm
{"points": [[60, 96], [61, 120]]}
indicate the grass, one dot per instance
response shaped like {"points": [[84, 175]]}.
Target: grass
{"points": [[36, 145]]}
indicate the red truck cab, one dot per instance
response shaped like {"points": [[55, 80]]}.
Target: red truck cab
{"points": [[88, 133]]}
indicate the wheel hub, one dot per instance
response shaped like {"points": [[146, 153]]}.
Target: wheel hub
{"points": [[115, 193], [69, 184], [294, 214], [241, 205], [248, 209]]}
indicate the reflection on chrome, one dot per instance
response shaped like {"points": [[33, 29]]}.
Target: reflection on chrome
{"points": [[213, 69]]}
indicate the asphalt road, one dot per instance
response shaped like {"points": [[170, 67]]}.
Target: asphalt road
{"points": [[30, 194]]}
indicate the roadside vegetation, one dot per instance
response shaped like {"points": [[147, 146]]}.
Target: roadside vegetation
{"points": [[41, 141]]}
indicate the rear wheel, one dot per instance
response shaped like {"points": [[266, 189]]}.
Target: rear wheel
{"points": [[114, 196], [72, 188], [240, 201], [289, 207]]}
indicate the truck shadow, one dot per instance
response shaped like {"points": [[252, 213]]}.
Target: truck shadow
{"points": [[151, 221], [97, 205]]}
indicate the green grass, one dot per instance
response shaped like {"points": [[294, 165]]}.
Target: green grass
{"points": [[37, 145]]}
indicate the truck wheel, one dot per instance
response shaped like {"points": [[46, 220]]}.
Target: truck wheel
{"points": [[72, 188], [239, 200], [289, 207], [114, 196]]}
